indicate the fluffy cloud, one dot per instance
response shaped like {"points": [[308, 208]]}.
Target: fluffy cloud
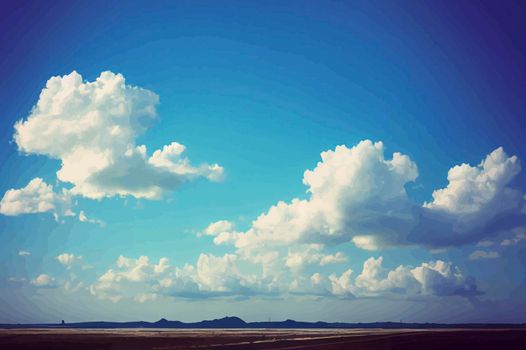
{"points": [[24, 253], [442, 278], [44, 281], [306, 255], [479, 201], [131, 279], [218, 227], [68, 259], [92, 127], [222, 276], [353, 191], [84, 218], [473, 189], [36, 197], [357, 194], [435, 278], [135, 278], [222, 231]]}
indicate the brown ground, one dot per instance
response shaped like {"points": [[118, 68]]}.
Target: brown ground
{"points": [[79, 339]]}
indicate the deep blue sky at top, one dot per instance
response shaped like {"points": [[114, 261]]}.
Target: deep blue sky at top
{"points": [[428, 78], [262, 88]]}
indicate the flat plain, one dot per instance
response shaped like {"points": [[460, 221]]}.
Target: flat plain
{"points": [[166, 339]]}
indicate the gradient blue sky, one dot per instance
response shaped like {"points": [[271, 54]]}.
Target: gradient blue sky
{"points": [[262, 88]]}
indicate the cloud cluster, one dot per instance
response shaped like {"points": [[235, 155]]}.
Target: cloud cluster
{"points": [[478, 202], [353, 192], [356, 194], [92, 128], [430, 278], [471, 189], [137, 278], [222, 231], [68, 259], [36, 197], [214, 276]]}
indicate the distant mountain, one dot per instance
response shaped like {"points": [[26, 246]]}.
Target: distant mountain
{"points": [[225, 322], [236, 322]]}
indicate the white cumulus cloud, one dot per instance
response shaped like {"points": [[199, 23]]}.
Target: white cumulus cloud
{"points": [[228, 276], [218, 227], [478, 202], [44, 281], [92, 127], [36, 197], [68, 259], [357, 194], [352, 192], [472, 189], [136, 278], [84, 218], [433, 278]]}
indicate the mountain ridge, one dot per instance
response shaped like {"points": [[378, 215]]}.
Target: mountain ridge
{"points": [[233, 322]]}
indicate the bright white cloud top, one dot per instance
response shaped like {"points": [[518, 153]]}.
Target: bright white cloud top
{"points": [[36, 197]]}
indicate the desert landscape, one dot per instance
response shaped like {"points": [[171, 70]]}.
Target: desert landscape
{"points": [[262, 339]]}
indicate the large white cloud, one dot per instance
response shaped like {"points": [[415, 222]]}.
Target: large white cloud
{"points": [[356, 194], [472, 188], [36, 197], [478, 202], [442, 278], [352, 191], [430, 278], [92, 127]]}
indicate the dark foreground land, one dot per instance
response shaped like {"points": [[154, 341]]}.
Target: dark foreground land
{"points": [[79, 339]]}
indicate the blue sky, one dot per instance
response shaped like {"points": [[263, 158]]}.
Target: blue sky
{"points": [[261, 90]]}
